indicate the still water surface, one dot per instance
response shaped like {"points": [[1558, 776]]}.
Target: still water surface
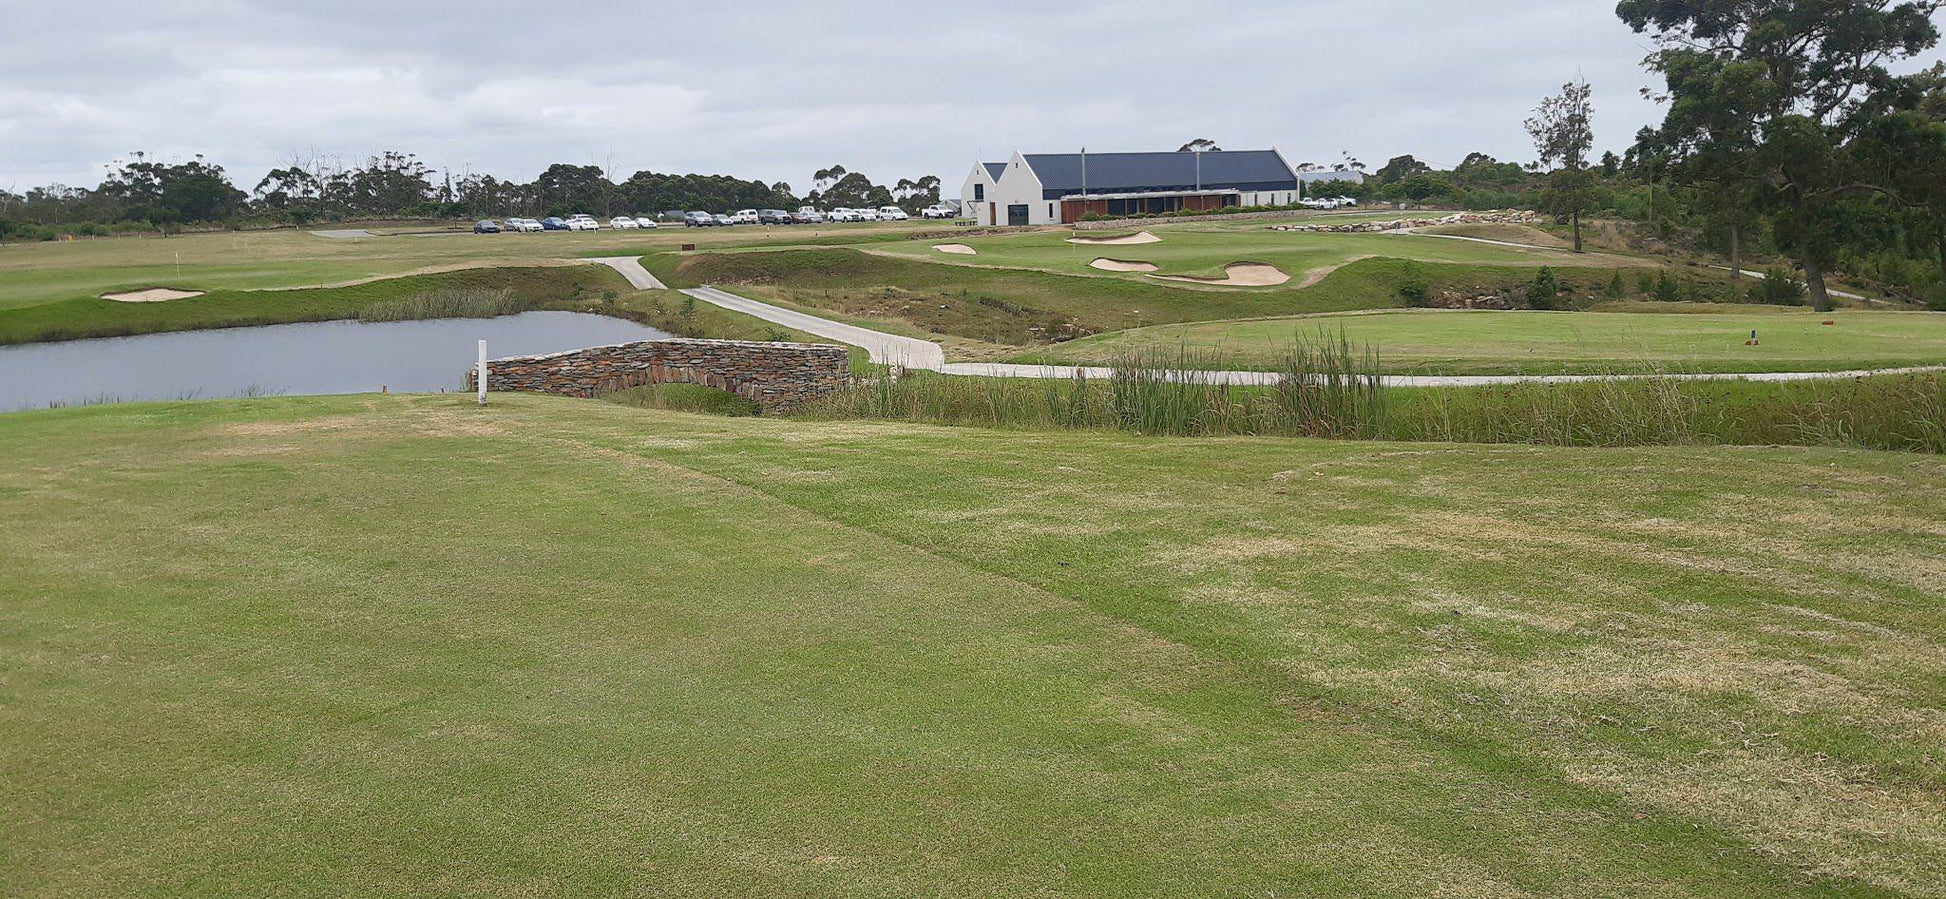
{"points": [[310, 358]]}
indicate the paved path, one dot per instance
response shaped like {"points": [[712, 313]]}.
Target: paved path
{"points": [[911, 352], [631, 268]]}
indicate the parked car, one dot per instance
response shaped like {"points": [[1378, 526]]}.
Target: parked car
{"points": [[724, 221], [644, 221], [807, 216], [773, 217], [1348, 202], [554, 223], [520, 226], [939, 211], [486, 226], [623, 223], [584, 222], [698, 220], [892, 214], [746, 217]]}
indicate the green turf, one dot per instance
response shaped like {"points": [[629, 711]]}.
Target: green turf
{"points": [[407, 646], [1561, 342], [93, 317], [1186, 250], [56, 271]]}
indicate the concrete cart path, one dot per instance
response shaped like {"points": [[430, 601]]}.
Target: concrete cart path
{"points": [[631, 268], [911, 352]]}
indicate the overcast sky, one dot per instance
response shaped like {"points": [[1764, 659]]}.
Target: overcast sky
{"points": [[777, 90]]}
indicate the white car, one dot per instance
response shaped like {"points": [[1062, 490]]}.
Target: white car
{"points": [[1348, 202], [745, 217], [520, 226], [940, 211], [582, 221], [841, 214], [864, 215], [892, 214], [646, 221], [623, 223]]}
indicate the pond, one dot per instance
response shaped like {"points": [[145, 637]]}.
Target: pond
{"points": [[310, 358]]}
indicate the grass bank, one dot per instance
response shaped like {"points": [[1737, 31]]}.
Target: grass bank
{"points": [[406, 645], [95, 317]]}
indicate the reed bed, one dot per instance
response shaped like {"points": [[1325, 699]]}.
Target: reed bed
{"points": [[447, 303], [1330, 388]]}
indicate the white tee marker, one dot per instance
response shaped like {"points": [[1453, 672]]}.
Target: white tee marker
{"points": [[482, 373]]}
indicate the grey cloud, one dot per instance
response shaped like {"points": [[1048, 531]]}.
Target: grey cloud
{"points": [[776, 90]]}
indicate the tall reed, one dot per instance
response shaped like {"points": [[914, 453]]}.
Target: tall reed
{"points": [[446, 303]]}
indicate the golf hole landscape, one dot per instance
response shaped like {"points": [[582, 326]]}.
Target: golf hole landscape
{"points": [[1161, 523]]}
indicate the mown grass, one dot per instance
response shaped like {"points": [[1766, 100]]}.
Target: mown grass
{"points": [[407, 646], [1494, 343], [685, 398], [94, 317], [1013, 306], [57, 271]]}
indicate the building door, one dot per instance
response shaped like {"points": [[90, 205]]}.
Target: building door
{"points": [[1017, 214]]}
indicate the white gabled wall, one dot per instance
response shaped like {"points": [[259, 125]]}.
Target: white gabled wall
{"points": [[1019, 185], [976, 209]]}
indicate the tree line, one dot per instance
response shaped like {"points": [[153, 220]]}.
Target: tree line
{"points": [[145, 193], [1785, 133]]}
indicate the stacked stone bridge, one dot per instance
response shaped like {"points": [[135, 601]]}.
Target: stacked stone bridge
{"points": [[779, 377]]}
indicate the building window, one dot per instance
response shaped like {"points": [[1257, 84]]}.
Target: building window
{"points": [[1050, 210], [979, 192]]}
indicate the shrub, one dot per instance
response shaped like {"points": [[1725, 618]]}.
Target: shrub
{"points": [[1778, 287], [1545, 289], [1414, 287]]}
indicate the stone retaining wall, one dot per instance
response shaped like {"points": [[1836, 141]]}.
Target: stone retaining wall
{"points": [[780, 377], [1515, 217]]}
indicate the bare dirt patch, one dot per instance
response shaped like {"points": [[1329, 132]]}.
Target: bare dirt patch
{"points": [[1238, 274], [957, 249], [1124, 240], [152, 295], [1122, 265]]}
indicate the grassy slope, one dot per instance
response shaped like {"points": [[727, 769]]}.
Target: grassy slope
{"points": [[93, 317], [36, 273], [405, 645], [1562, 342], [1001, 305], [1184, 250]]}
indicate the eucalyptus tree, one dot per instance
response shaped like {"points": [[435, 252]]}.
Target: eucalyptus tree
{"points": [[1776, 92], [1564, 134]]}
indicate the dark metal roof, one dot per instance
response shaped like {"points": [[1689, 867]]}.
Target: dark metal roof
{"points": [[994, 169], [1132, 172]]}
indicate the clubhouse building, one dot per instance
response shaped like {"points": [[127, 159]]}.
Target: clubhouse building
{"points": [[1058, 188]]}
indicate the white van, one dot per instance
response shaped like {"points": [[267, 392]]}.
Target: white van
{"points": [[745, 217], [892, 214]]}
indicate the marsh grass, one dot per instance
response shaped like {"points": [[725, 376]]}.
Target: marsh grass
{"points": [[1890, 412], [457, 302], [1330, 388]]}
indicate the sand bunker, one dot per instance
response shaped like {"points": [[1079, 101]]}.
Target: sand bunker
{"points": [[958, 249], [151, 295], [1118, 265], [1143, 237], [1239, 274]]}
